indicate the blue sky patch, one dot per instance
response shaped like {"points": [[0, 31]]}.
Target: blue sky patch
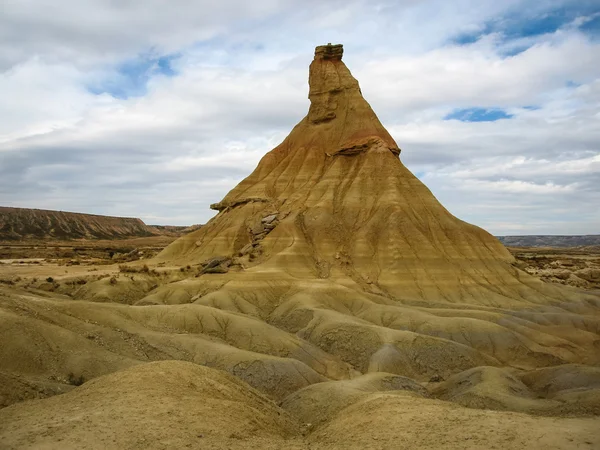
{"points": [[130, 78], [478, 115], [518, 25], [592, 26]]}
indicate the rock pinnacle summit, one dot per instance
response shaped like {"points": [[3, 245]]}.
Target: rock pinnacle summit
{"points": [[333, 202]]}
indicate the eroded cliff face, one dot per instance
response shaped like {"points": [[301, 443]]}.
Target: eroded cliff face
{"points": [[21, 223], [335, 241], [347, 207]]}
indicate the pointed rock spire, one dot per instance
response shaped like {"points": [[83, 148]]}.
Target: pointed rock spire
{"points": [[347, 208], [335, 93]]}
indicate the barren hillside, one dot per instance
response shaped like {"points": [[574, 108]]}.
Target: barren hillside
{"points": [[24, 223]]}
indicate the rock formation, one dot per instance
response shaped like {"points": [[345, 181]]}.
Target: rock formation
{"points": [[334, 239], [348, 210]]}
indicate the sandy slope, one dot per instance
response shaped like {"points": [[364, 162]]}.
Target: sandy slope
{"points": [[181, 405]]}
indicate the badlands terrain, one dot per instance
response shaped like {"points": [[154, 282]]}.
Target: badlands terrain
{"points": [[332, 302], [18, 224]]}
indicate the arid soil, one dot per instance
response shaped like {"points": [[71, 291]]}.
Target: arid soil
{"points": [[59, 337], [577, 266], [102, 251], [332, 302], [173, 404]]}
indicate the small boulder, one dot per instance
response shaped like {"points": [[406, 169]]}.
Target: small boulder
{"points": [[269, 219], [257, 228], [589, 274], [214, 262], [561, 274], [258, 237], [271, 225], [246, 249]]}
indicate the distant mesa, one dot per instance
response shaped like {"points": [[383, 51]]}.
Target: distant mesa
{"points": [[550, 240], [25, 223]]}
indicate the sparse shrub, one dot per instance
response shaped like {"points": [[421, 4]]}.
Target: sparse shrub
{"points": [[182, 269], [113, 280], [50, 280], [75, 380], [218, 269], [129, 269], [188, 267]]}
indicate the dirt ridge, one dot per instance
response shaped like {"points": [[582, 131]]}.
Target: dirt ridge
{"points": [[26, 223]]}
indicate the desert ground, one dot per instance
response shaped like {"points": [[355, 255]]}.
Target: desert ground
{"points": [[332, 302], [571, 266], [113, 378]]}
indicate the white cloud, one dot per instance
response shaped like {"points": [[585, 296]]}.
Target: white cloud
{"points": [[476, 75], [241, 85]]}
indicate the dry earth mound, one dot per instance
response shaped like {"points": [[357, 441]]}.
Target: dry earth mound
{"points": [[158, 405], [180, 405]]}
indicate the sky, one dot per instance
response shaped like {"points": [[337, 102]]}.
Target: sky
{"points": [[156, 109]]}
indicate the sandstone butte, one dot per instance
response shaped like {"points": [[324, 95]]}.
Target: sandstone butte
{"points": [[352, 309], [334, 207]]}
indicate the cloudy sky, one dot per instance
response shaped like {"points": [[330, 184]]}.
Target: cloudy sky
{"points": [[156, 108]]}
